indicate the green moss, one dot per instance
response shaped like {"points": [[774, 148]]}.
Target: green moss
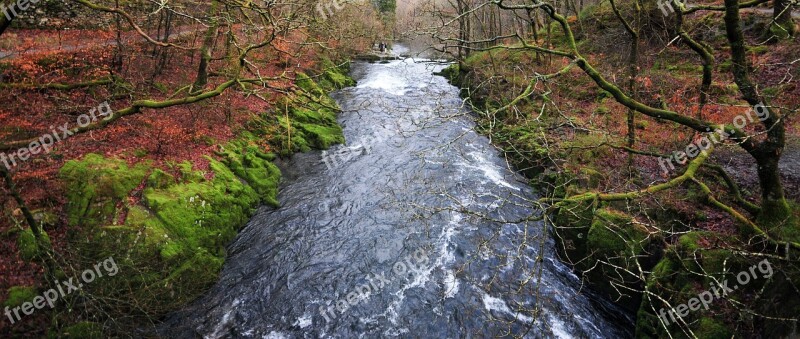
{"points": [[572, 223], [726, 66], [160, 179], [779, 32], [322, 137], [591, 178], [28, 248], [712, 329], [19, 295], [311, 122], [522, 144], [689, 242], [615, 238], [206, 214], [172, 247], [762, 49], [308, 85], [338, 79], [188, 174], [614, 231], [95, 185], [779, 219], [254, 167], [87, 330]]}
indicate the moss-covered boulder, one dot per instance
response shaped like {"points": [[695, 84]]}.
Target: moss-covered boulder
{"points": [[572, 222], [171, 246], [29, 249], [19, 295], [696, 264], [308, 118], [96, 185], [617, 243]]}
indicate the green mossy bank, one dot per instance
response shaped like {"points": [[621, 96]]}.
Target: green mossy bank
{"points": [[168, 232]]}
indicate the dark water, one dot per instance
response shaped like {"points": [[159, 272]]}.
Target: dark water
{"points": [[415, 228]]}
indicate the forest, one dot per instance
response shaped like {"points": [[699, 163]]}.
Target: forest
{"points": [[420, 168]]}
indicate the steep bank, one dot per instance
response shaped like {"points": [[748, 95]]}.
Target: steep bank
{"points": [[651, 253]]}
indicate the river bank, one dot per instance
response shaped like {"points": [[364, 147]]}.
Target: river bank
{"points": [[167, 225], [654, 251]]}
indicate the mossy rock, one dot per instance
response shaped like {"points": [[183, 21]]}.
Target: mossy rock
{"points": [[523, 146], [780, 32], [45, 218], [779, 219], [571, 227], [307, 84], [338, 79], [188, 174], [311, 120], [171, 248], [19, 295], [95, 185], [255, 167], [590, 178], [322, 137], [28, 248], [616, 238], [712, 329], [160, 179]]}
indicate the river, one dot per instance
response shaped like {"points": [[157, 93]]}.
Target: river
{"points": [[415, 229]]}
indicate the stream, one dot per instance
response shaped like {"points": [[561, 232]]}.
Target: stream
{"points": [[416, 228]]}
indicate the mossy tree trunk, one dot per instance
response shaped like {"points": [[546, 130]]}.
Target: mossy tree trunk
{"points": [[205, 50], [704, 52], [26, 213], [43, 249], [782, 23], [768, 152]]}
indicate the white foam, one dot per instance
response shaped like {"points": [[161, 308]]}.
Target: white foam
{"points": [[498, 305], [450, 284], [221, 327], [490, 170], [276, 335]]}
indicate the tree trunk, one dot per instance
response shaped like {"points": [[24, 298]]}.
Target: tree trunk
{"points": [[205, 50], [5, 22], [782, 25], [768, 152]]}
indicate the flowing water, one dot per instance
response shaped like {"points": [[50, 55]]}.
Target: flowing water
{"points": [[415, 228]]}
